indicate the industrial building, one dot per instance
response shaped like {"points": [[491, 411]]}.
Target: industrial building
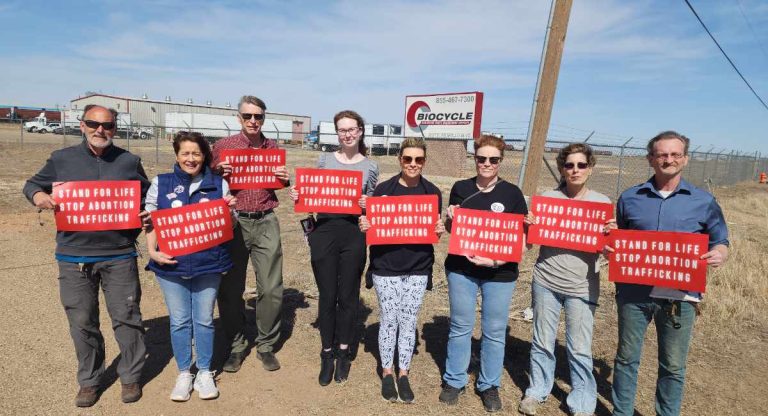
{"points": [[146, 112]]}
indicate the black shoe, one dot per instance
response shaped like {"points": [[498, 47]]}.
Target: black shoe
{"points": [[343, 364], [87, 396], [326, 368], [450, 395], [234, 362], [268, 360], [491, 399], [404, 389], [131, 393], [388, 391]]}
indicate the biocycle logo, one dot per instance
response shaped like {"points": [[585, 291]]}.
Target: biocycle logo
{"points": [[426, 117]]}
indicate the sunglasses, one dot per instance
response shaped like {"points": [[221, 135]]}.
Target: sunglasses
{"points": [[255, 116], [482, 159], [570, 165], [107, 125], [418, 159]]}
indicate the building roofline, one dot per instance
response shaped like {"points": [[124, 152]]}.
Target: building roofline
{"points": [[176, 103]]}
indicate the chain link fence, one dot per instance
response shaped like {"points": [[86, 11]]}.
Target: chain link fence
{"points": [[619, 166]]}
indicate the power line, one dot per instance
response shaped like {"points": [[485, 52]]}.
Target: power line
{"points": [[725, 54], [752, 29]]}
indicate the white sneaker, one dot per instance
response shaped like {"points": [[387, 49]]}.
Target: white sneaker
{"points": [[205, 385], [183, 387]]}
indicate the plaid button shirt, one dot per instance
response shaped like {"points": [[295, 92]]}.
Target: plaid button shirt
{"points": [[248, 200]]}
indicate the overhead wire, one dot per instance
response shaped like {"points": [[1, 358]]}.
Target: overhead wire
{"points": [[725, 54], [752, 29]]}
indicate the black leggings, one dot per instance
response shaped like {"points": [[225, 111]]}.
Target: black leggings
{"points": [[338, 260]]}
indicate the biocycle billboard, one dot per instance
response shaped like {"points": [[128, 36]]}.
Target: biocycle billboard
{"points": [[444, 116]]}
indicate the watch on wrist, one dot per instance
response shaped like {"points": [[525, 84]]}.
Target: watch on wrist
{"points": [[495, 264]]}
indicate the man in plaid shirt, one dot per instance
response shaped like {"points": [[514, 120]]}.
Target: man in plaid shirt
{"points": [[257, 235]]}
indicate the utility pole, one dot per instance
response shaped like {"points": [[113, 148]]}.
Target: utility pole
{"points": [[538, 126]]}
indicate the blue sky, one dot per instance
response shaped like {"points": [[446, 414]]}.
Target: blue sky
{"points": [[630, 68]]}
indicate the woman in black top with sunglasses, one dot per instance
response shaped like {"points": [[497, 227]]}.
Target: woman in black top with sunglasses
{"points": [[401, 273], [468, 274]]}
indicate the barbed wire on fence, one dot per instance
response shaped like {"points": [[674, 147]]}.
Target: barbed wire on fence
{"points": [[621, 160]]}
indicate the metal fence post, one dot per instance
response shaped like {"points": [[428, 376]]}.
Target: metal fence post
{"points": [[621, 165]]}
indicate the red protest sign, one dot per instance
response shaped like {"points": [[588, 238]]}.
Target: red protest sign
{"points": [[97, 205], [495, 235], [192, 228], [254, 168], [659, 258], [402, 219], [331, 191], [568, 223]]}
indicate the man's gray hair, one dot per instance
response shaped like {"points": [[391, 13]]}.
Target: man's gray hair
{"points": [[250, 99], [90, 107], [665, 135]]}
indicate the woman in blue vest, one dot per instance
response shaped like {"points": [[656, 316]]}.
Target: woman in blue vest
{"points": [[190, 282]]}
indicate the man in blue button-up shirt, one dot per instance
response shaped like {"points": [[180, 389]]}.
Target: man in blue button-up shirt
{"points": [[665, 202]]}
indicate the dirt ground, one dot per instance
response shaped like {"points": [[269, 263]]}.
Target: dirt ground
{"points": [[727, 362]]}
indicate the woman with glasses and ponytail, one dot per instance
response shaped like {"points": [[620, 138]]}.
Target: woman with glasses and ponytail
{"points": [[337, 249], [401, 273], [570, 280], [469, 274]]}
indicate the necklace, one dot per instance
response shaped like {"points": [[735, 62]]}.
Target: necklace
{"points": [[489, 186]]}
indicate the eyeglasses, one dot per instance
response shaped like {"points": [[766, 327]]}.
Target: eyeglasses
{"points": [[571, 165], [664, 156], [107, 125], [409, 159], [480, 160], [344, 132], [255, 116]]}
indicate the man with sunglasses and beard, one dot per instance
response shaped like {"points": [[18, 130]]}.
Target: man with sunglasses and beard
{"points": [[88, 259], [257, 235]]}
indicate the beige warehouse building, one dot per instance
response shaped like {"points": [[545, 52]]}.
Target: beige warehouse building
{"points": [[152, 113]]}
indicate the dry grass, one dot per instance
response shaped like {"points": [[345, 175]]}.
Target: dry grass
{"points": [[729, 344], [739, 290]]}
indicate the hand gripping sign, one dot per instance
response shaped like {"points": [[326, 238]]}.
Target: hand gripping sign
{"points": [[569, 224], [494, 235], [254, 168], [97, 205], [402, 219], [331, 191], [192, 228], [659, 258]]}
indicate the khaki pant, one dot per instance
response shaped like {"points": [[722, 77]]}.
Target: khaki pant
{"points": [[258, 239]]}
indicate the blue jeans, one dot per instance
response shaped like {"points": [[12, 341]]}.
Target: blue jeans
{"points": [[494, 315], [190, 308], [634, 318], [579, 321]]}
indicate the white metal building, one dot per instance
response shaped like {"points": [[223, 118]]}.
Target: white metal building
{"points": [[146, 112]]}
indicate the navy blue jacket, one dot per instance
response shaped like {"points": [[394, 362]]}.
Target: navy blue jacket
{"points": [[211, 261]]}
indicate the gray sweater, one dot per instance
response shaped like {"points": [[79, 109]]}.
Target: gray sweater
{"points": [[78, 163], [370, 171], [570, 272]]}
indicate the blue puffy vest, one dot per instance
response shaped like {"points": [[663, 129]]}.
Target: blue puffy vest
{"points": [[175, 187]]}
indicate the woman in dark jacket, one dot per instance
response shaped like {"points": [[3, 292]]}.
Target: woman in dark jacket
{"points": [[190, 282], [401, 273]]}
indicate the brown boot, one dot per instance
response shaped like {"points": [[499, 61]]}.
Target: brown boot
{"points": [[131, 392], [87, 396]]}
